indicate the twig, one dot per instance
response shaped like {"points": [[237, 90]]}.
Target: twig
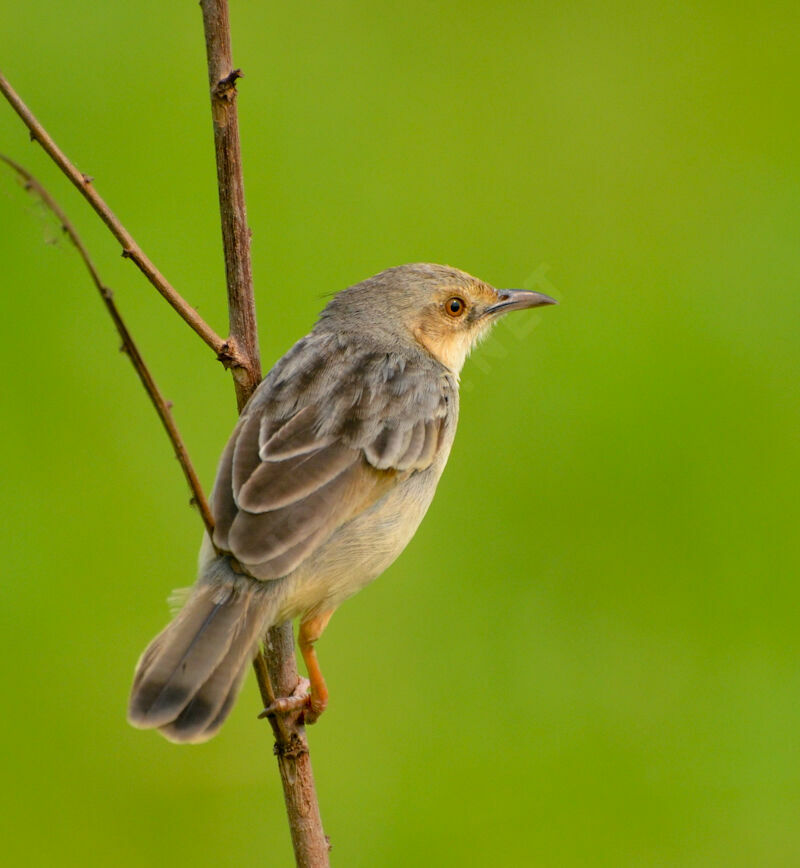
{"points": [[128, 345], [277, 666], [226, 350]]}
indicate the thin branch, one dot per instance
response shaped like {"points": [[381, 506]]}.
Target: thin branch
{"points": [[226, 350], [233, 212], [276, 666], [128, 345]]}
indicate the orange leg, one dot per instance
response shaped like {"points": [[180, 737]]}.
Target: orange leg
{"points": [[310, 631], [316, 701]]}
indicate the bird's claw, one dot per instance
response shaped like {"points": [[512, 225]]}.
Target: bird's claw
{"points": [[300, 698]]}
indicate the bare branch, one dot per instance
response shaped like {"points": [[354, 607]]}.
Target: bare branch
{"points": [[226, 350], [276, 665], [128, 345], [233, 212]]}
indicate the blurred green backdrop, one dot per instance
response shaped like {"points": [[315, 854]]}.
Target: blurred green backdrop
{"points": [[589, 653]]}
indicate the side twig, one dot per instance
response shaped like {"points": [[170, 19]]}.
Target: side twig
{"points": [[276, 667], [226, 350], [128, 344]]}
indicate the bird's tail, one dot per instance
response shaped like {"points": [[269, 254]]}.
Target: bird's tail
{"points": [[189, 676]]}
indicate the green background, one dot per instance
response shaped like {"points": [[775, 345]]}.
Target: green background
{"points": [[589, 653]]}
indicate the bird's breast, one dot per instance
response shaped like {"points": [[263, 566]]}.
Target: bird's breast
{"points": [[363, 548]]}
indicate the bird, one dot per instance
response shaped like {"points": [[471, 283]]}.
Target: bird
{"points": [[325, 479]]}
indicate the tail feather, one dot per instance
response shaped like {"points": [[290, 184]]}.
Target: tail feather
{"points": [[188, 652], [192, 671], [203, 715]]}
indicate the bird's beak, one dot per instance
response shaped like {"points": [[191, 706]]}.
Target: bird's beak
{"points": [[518, 299]]}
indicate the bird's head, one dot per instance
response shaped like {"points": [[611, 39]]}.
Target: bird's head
{"points": [[444, 310]]}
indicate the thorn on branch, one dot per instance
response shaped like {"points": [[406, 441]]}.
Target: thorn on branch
{"points": [[225, 88], [87, 179], [126, 253]]}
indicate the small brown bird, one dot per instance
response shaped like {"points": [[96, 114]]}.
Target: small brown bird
{"points": [[328, 473]]}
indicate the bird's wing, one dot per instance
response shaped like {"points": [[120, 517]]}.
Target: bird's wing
{"points": [[313, 450]]}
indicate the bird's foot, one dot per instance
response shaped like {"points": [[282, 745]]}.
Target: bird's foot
{"points": [[302, 698], [316, 705], [285, 704]]}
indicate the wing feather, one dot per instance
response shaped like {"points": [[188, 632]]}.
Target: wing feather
{"points": [[256, 537], [223, 506], [295, 437], [387, 448], [245, 451], [433, 429], [413, 449], [275, 483]]}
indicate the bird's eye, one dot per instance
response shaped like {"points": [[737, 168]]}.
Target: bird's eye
{"points": [[455, 306]]}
